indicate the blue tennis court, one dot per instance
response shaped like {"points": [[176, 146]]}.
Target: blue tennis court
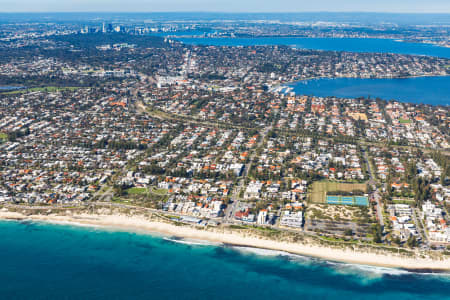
{"points": [[362, 201], [348, 200]]}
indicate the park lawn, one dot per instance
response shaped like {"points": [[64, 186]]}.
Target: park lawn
{"points": [[320, 189], [403, 200], [121, 200], [42, 89], [161, 192], [3, 136], [404, 121], [136, 191]]}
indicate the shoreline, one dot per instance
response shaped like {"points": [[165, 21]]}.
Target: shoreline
{"points": [[228, 237]]}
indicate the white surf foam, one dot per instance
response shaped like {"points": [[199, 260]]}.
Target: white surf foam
{"points": [[260, 251], [191, 242], [68, 223], [346, 268], [273, 253], [367, 272]]}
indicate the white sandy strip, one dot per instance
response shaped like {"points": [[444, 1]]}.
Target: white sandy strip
{"points": [[135, 223]]}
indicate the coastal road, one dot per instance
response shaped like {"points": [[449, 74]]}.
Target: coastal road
{"points": [[235, 222]]}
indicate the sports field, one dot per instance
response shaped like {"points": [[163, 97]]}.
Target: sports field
{"points": [[320, 188]]}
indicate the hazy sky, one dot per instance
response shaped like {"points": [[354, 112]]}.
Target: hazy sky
{"points": [[441, 6]]}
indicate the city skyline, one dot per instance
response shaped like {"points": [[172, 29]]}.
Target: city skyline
{"points": [[233, 6]]}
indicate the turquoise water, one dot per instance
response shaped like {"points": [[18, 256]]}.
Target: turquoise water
{"points": [[429, 90], [333, 44], [44, 261]]}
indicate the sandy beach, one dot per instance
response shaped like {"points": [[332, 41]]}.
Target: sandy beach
{"points": [[220, 235]]}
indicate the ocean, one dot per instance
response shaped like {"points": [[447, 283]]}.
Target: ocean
{"points": [[52, 261]]}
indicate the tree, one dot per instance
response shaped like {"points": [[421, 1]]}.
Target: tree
{"points": [[396, 240], [119, 190], [377, 233], [412, 241]]}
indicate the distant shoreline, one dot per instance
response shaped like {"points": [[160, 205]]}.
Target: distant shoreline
{"points": [[227, 236]]}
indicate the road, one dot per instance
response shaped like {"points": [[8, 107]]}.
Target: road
{"points": [[376, 194], [229, 214], [422, 231], [108, 193]]}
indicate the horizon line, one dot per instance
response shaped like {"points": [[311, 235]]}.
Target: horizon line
{"points": [[229, 12]]}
